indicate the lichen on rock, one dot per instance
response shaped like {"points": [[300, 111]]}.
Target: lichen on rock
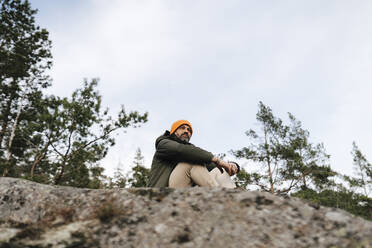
{"points": [[36, 215]]}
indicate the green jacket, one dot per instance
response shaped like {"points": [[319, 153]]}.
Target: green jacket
{"points": [[170, 150]]}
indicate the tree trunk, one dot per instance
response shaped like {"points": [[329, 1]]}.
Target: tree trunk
{"points": [[9, 153], [35, 163], [304, 181], [39, 157], [59, 176], [269, 164], [270, 176], [7, 113], [5, 122]]}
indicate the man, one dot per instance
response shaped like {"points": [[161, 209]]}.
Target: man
{"points": [[178, 163]]}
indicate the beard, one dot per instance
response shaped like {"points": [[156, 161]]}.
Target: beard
{"points": [[185, 137]]}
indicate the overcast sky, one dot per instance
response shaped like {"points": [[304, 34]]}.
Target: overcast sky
{"points": [[211, 62]]}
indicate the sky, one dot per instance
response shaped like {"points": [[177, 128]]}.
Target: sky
{"points": [[211, 62]]}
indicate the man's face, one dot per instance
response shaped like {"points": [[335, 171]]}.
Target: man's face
{"points": [[183, 132]]}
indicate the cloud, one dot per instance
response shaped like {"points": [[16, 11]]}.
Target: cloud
{"points": [[212, 61]]}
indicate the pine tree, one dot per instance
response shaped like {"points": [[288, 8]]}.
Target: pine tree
{"points": [[119, 180], [362, 170], [48, 139], [80, 133], [307, 165], [287, 158], [24, 58], [265, 148], [140, 174]]}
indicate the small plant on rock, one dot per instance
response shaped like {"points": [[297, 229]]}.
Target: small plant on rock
{"points": [[107, 210]]}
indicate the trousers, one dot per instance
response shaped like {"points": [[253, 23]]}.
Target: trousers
{"points": [[185, 175]]}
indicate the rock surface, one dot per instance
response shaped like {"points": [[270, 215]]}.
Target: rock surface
{"points": [[36, 215]]}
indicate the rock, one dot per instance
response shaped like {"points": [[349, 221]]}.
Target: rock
{"points": [[161, 228], [7, 233], [36, 215], [337, 217]]}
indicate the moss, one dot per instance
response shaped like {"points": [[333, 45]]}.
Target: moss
{"points": [[107, 210], [65, 213]]}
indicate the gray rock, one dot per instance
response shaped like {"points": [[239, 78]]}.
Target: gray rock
{"points": [[7, 233], [337, 217], [36, 215]]}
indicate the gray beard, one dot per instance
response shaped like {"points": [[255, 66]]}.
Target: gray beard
{"points": [[183, 138]]}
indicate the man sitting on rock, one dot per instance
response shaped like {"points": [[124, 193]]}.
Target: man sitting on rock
{"points": [[178, 163]]}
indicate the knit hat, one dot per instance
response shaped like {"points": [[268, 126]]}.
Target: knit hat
{"points": [[179, 123]]}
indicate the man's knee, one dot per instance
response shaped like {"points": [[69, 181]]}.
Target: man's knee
{"points": [[201, 176], [185, 174], [183, 168], [198, 170], [181, 176]]}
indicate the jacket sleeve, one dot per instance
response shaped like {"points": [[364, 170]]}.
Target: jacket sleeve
{"points": [[172, 150]]}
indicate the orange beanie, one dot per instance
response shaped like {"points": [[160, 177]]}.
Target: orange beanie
{"points": [[179, 123]]}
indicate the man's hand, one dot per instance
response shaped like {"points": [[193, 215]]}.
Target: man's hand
{"points": [[235, 168], [230, 168]]}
